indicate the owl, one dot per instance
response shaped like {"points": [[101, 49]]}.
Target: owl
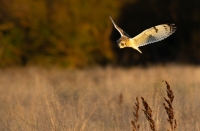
{"points": [[151, 35]]}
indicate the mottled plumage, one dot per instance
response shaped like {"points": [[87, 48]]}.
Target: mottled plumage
{"points": [[151, 35]]}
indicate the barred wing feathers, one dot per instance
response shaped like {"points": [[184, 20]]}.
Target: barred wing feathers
{"points": [[154, 34]]}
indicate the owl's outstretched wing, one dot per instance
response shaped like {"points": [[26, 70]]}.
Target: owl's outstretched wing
{"points": [[154, 34], [122, 33]]}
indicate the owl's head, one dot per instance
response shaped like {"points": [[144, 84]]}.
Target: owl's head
{"points": [[122, 42]]}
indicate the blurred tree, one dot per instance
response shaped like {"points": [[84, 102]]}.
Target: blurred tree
{"points": [[67, 33]]}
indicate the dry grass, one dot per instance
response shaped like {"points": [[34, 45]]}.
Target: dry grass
{"points": [[169, 108], [148, 113], [37, 99], [136, 125]]}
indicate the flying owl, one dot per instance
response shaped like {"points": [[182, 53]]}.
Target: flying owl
{"points": [[151, 35]]}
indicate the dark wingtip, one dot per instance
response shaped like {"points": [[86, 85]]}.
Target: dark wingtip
{"points": [[173, 27]]}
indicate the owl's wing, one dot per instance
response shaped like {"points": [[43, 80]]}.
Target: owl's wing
{"points": [[154, 34], [122, 33]]}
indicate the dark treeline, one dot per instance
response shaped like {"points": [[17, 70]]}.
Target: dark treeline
{"points": [[182, 47], [79, 33]]}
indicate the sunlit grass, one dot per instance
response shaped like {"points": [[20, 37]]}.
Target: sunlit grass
{"points": [[96, 99]]}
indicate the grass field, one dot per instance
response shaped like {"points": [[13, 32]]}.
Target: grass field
{"points": [[97, 99]]}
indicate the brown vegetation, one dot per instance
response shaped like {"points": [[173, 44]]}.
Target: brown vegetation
{"points": [[134, 122], [34, 99], [169, 108], [149, 115]]}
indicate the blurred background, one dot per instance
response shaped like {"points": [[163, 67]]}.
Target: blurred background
{"points": [[51, 58], [79, 33]]}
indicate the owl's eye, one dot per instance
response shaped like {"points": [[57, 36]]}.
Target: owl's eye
{"points": [[122, 44]]}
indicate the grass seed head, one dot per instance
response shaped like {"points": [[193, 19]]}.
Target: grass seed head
{"points": [[134, 122], [148, 113], [169, 107]]}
